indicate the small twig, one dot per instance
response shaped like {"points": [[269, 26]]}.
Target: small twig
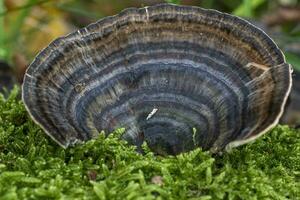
{"points": [[152, 113]]}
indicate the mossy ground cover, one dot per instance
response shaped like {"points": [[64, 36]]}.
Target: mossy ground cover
{"points": [[34, 167]]}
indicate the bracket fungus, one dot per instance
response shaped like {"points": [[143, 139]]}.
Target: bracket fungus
{"points": [[176, 77]]}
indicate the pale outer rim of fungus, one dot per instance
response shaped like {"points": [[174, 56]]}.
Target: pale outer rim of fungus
{"points": [[228, 146], [241, 142]]}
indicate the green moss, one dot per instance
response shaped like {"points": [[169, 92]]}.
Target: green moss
{"points": [[34, 167]]}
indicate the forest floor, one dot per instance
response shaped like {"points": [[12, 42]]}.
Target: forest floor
{"points": [[34, 167]]}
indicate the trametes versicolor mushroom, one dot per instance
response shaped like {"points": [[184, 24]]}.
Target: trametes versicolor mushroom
{"points": [[176, 77]]}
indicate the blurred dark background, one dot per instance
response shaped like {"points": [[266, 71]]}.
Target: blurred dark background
{"points": [[27, 26]]}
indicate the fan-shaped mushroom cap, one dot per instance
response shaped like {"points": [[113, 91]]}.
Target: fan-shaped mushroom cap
{"points": [[177, 77]]}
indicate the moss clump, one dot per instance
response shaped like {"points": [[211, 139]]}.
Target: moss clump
{"points": [[33, 167]]}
